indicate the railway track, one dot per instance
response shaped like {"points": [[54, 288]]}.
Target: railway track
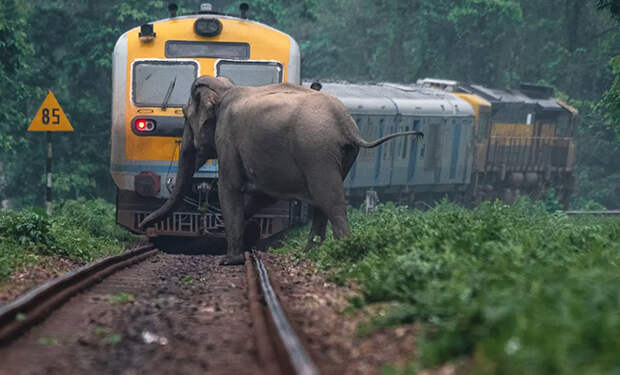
{"points": [[279, 348], [36, 305], [186, 315]]}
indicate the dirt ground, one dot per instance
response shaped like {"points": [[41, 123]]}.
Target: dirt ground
{"points": [[321, 310], [171, 314], [22, 280], [185, 314]]}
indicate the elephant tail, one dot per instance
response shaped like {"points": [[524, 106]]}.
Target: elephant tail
{"points": [[363, 143]]}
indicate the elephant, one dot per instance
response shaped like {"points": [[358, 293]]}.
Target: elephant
{"points": [[279, 141]]}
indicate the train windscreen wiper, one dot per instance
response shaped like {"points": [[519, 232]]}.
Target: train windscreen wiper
{"points": [[164, 105]]}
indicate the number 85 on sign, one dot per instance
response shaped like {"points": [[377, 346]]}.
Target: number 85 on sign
{"points": [[50, 117]]}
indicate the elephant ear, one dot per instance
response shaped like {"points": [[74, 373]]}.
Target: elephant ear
{"points": [[208, 104], [201, 107]]}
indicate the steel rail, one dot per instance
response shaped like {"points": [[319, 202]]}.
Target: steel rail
{"points": [[300, 361], [36, 305]]}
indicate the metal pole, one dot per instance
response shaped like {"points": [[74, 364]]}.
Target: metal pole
{"points": [[48, 173]]}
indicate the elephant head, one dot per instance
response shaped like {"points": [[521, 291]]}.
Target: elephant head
{"points": [[198, 143], [200, 111]]}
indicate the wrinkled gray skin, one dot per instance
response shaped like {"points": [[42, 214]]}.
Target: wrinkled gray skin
{"points": [[272, 142]]}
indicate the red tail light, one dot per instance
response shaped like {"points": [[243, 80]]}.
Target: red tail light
{"points": [[144, 125]]}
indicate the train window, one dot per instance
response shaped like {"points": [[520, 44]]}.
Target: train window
{"points": [[382, 132], [390, 146], [250, 73], [365, 130], [162, 83], [433, 144], [405, 144], [222, 50], [416, 126]]}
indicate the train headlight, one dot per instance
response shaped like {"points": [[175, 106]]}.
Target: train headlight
{"points": [[146, 33], [207, 27], [144, 125]]}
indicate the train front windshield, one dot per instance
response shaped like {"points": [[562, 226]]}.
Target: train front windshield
{"points": [[250, 73], [162, 83]]}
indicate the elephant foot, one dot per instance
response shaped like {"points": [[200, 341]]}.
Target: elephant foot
{"points": [[233, 260], [316, 242]]}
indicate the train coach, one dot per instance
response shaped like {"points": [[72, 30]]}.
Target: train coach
{"points": [[480, 143], [404, 170], [153, 68]]}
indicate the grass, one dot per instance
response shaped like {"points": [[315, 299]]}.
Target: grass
{"points": [[121, 298], [516, 289], [80, 230]]}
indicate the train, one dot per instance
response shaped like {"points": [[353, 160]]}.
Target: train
{"points": [[480, 143], [153, 68]]}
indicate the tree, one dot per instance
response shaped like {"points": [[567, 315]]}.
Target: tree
{"points": [[15, 71], [611, 99], [613, 6]]}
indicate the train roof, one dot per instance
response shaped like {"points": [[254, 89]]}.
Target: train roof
{"points": [[393, 99], [545, 101], [527, 93], [210, 15]]}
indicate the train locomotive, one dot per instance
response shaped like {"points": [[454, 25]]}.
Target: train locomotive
{"points": [[153, 68]]}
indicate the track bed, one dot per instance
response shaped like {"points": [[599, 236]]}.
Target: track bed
{"points": [[172, 314], [185, 314]]}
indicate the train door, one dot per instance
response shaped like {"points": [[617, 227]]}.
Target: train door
{"points": [[382, 157], [358, 172], [433, 149], [406, 149], [364, 172]]}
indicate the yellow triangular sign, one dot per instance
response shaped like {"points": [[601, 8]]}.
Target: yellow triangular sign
{"points": [[50, 117]]}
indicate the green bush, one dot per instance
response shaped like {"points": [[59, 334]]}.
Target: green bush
{"points": [[518, 289], [81, 230]]}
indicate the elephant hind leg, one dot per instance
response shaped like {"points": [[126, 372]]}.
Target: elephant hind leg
{"points": [[319, 225], [327, 191]]}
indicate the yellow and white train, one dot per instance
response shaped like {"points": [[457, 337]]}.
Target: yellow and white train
{"points": [[153, 68], [480, 143]]}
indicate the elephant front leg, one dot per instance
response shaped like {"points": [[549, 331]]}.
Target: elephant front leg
{"points": [[231, 201]]}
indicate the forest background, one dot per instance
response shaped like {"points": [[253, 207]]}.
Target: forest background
{"points": [[66, 46]]}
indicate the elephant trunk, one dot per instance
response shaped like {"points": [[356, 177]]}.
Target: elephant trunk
{"points": [[183, 183]]}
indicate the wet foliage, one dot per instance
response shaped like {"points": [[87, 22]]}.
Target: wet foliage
{"points": [[66, 46], [514, 290], [79, 229]]}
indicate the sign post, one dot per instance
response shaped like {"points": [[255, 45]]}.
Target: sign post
{"points": [[50, 118]]}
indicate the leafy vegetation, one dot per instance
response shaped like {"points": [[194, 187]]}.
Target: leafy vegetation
{"points": [[66, 46], [79, 229], [519, 290]]}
